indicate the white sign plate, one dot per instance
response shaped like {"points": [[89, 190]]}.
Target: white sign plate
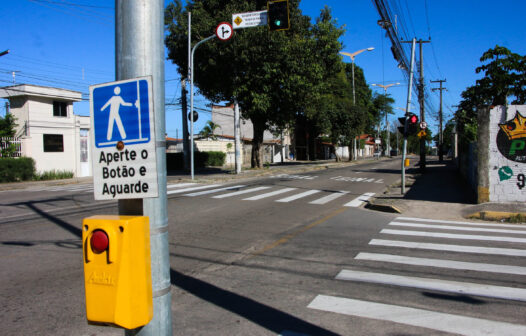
{"points": [[423, 125], [122, 114], [224, 31], [249, 19]]}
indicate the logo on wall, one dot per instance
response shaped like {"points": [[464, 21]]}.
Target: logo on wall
{"points": [[511, 139]]}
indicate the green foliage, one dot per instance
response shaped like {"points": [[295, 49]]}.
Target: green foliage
{"points": [[7, 125], [16, 169], [504, 79], [53, 175], [208, 131]]}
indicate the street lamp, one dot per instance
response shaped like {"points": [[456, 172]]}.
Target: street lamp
{"points": [[5, 52], [385, 87], [352, 56]]}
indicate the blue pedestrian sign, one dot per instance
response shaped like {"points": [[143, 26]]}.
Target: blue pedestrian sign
{"points": [[123, 140], [121, 112]]}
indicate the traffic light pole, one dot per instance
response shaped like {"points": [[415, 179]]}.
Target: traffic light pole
{"points": [[139, 51], [407, 107]]}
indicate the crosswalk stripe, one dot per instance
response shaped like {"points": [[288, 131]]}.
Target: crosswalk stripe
{"points": [[177, 191], [179, 185], [298, 196], [498, 292], [453, 236], [456, 324], [241, 192], [455, 228], [413, 219], [269, 194], [329, 198], [451, 264], [199, 193], [358, 201], [451, 248]]}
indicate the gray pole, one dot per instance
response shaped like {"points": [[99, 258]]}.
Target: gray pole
{"points": [[407, 107], [139, 51], [192, 102], [440, 134], [237, 137], [184, 109], [353, 94]]}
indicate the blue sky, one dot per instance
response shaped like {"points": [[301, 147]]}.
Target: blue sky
{"points": [[70, 44]]}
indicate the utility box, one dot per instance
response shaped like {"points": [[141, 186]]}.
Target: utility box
{"points": [[117, 270]]}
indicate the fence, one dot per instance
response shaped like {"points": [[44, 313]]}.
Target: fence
{"points": [[10, 147]]}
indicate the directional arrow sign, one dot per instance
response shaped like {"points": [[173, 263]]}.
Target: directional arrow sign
{"points": [[224, 31]]}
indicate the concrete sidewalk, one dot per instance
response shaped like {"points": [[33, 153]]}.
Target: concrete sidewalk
{"points": [[441, 193]]}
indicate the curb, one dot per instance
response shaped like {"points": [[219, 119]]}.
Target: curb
{"points": [[382, 208], [499, 216]]}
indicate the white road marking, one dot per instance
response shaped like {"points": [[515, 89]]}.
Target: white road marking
{"points": [[269, 194], [241, 192], [459, 222], [451, 248], [463, 288], [330, 197], [455, 228], [192, 189], [179, 185], [358, 201], [453, 236], [456, 324], [451, 264], [199, 193], [297, 196]]}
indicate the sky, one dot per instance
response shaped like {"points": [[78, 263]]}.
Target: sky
{"points": [[70, 44]]}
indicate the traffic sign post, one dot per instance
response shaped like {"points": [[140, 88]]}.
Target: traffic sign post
{"points": [[249, 19], [123, 140], [224, 31]]}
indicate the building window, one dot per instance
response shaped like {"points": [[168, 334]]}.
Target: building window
{"points": [[60, 109], [53, 143]]}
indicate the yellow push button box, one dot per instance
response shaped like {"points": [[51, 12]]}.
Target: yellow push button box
{"points": [[117, 270]]}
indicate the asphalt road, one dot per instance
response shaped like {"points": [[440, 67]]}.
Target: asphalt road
{"points": [[280, 255]]}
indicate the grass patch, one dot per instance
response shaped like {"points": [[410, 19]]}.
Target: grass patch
{"points": [[53, 175]]}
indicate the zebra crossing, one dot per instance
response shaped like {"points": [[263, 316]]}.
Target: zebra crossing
{"points": [[279, 193], [248, 193], [402, 249]]}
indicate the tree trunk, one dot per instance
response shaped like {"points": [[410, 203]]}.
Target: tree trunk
{"points": [[257, 141]]}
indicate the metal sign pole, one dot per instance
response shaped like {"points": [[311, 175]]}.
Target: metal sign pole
{"points": [[139, 51], [407, 107]]}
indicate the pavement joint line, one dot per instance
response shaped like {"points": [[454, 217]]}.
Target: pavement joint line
{"points": [[299, 231]]}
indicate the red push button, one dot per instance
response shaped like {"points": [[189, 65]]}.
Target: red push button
{"points": [[99, 241]]}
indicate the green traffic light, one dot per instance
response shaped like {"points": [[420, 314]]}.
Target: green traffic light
{"points": [[277, 23]]}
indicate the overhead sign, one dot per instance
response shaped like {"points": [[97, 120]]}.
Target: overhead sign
{"points": [[249, 19], [123, 139], [224, 31]]}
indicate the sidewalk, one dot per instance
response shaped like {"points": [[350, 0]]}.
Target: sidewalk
{"points": [[441, 193]]}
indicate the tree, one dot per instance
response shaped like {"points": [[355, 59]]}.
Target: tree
{"points": [[382, 104], [208, 132], [504, 80], [7, 125], [273, 75]]}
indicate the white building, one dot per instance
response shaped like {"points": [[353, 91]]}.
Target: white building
{"points": [[50, 132]]}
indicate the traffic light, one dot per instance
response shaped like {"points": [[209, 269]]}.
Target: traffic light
{"points": [[278, 15], [401, 128], [412, 124]]}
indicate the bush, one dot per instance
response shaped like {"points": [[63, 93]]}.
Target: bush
{"points": [[16, 169], [174, 161]]}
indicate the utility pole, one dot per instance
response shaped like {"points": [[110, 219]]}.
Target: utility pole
{"points": [[184, 109], [139, 51], [407, 107], [440, 134], [421, 98]]}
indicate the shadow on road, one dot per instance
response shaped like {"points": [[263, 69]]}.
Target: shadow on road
{"points": [[269, 318]]}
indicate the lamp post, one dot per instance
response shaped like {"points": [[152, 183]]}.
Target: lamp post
{"points": [[352, 56], [5, 52], [385, 87]]}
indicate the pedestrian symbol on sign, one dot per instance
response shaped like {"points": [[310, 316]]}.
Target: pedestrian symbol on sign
{"points": [[125, 105]]}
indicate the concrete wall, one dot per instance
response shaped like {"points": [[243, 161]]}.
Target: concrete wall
{"points": [[502, 154]]}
